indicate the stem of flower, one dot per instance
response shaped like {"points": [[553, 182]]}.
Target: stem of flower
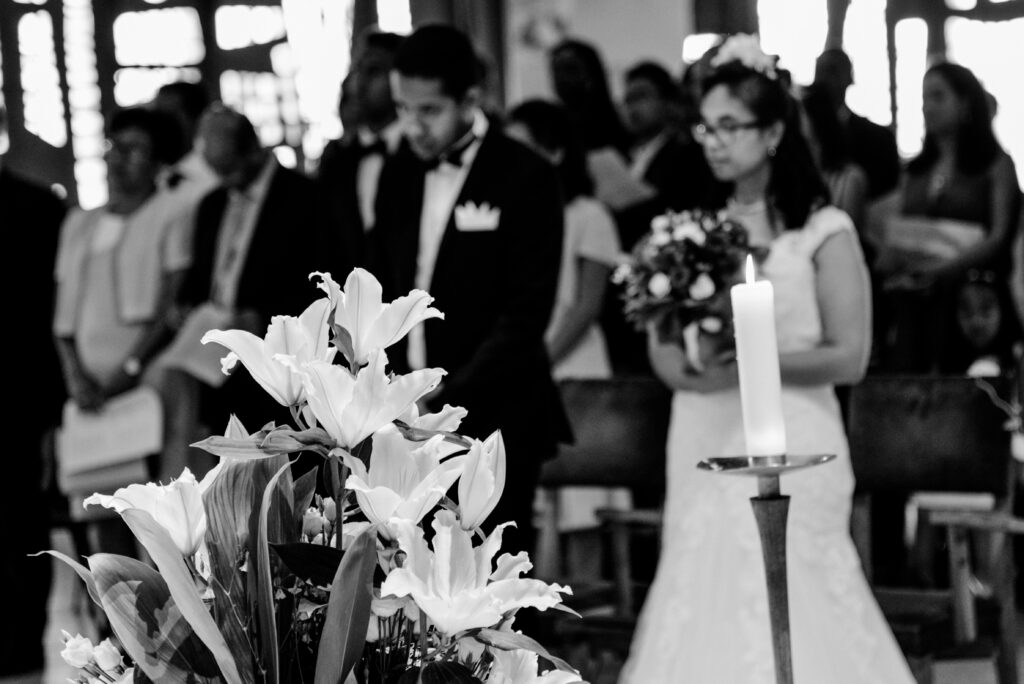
{"points": [[423, 638], [98, 672]]}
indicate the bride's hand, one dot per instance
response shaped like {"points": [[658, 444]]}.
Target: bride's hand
{"points": [[719, 374], [670, 364]]}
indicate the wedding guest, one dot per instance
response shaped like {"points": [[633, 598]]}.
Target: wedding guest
{"points": [[119, 268], [985, 330], [963, 186], [31, 216], [581, 83], [190, 175], [350, 167], [575, 343], [872, 147], [705, 618], [257, 239], [475, 219], [847, 182], [660, 157]]}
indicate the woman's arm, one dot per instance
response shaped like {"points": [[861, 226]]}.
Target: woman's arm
{"points": [[82, 389], [671, 366], [844, 302], [1004, 202], [591, 283], [156, 336]]}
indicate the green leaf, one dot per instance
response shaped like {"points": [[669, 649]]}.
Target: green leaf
{"points": [[83, 572], [232, 615], [144, 617], [148, 622], [348, 611], [511, 641], [165, 554], [302, 491], [312, 562], [265, 582]]}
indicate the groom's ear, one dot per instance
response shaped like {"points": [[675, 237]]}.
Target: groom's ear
{"points": [[471, 100]]}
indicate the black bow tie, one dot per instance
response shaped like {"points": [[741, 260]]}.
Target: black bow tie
{"points": [[453, 155]]}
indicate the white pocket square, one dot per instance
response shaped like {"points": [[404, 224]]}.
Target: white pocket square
{"points": [[470, 217]]}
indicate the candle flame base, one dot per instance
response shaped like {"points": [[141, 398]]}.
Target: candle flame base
{"points": [[771, 510]]}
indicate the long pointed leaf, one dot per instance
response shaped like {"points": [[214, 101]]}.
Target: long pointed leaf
{"points": [[265, 583], [182, 588], [148, 622], [510, 641], [83, 572], [302, 492], [348, 611]]}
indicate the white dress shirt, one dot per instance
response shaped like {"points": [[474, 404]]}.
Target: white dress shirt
{"points": [[441, 189]]}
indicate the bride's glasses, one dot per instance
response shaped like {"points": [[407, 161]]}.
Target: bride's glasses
{"points": [[724, 133]]}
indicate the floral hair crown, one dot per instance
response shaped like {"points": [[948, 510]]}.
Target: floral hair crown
{"points": [[746, 50]]}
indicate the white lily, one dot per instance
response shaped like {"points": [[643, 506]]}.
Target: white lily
{"points": [[404, 481], [371, 324], [455, 584], [351, 408], [177, 507], [304, 337], [520, 667], [482, 481], [447, 419]]}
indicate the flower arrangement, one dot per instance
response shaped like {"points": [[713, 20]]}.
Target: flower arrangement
{"points": [[678, 277], [259, 578], [101, 663], [746, 49]]}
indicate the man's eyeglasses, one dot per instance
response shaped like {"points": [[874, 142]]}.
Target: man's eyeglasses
{"points": [[724, 133]]}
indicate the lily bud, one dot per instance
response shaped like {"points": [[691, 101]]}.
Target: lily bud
{"points": [[78, 650], [107, 656], [482, 481]]}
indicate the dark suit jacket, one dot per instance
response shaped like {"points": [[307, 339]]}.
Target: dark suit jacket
{"points": [[496, 289], [31, 217], [288, 244], [337, 183], [873, 148]]}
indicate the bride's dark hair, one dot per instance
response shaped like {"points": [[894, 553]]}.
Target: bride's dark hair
{"points": [[796, 187]]}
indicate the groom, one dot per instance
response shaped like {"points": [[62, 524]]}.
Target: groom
{"points": [[475, 219]]}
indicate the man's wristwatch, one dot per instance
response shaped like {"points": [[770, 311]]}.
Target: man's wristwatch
{"points": [[132, 367]]}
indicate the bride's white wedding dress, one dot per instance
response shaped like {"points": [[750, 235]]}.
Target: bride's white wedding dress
{"points": [[705, 620]]}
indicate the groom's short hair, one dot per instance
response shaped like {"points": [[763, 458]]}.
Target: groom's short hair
{"points": [[440, 52]]}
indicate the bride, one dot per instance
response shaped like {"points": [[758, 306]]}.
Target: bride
{"points": [[706, 617]]}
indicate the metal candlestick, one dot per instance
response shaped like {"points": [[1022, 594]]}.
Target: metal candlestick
{"points": [[771, 510]]}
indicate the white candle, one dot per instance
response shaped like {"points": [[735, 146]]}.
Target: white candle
{"points": [[757, 353]]}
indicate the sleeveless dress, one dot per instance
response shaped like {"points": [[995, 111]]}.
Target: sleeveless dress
{"points": [[705, 620]]}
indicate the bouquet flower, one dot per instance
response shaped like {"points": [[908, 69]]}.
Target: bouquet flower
{"points": [[679, 274], [260, 578]]}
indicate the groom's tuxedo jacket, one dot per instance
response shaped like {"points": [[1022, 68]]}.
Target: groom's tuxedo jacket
{"points": [[496, 288]]}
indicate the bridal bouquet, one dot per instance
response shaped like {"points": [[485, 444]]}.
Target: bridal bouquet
{"points": [[259, 578], [679, 275]]}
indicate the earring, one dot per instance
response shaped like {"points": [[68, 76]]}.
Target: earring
{"points": [[771, 150]]}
